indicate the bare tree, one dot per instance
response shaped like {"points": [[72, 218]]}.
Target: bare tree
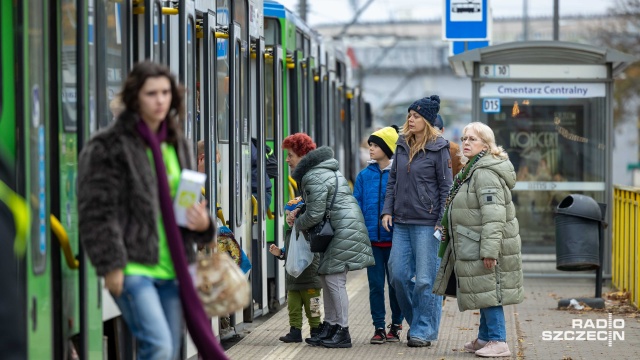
{"points": [[623, 34]]}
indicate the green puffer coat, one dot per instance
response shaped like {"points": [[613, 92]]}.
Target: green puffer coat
{"points": [[483, 224], [350, 248]]}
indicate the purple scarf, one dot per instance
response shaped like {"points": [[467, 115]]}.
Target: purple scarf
{"points": [[197, 321]]}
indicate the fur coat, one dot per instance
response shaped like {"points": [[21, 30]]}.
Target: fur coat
{"points": [[118, 202]]}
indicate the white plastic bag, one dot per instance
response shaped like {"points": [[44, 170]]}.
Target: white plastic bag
{"points": [[299, 255]]}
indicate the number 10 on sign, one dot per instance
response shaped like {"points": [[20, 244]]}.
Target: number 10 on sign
{"points": [[491, 105]]}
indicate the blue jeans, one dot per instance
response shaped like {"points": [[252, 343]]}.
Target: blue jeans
{"points": [[152, 310], [413, 267], [492, 324], [376, 275]]}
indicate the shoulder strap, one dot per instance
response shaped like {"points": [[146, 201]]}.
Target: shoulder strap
{"points": [[333, 199]]}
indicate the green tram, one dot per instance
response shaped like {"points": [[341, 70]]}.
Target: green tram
{"points": [[250, 69], [312, 93]]}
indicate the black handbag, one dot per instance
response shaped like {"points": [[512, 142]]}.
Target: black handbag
{"points": [[322, 233]]}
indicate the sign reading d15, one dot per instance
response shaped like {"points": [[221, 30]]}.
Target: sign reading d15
{"points": [[491, 105], [466, 20]]}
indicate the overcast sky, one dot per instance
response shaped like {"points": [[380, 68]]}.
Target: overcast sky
{"points": [[331, 11]]}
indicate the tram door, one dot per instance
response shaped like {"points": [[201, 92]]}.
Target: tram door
{"points": [[259, 246], [62, 289], [239, 91], [188, 69], [207, 100], [277, 69], [13, 325], [77, 290], [33, 169]]}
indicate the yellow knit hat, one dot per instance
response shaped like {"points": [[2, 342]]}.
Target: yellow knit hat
{"points": [[386, 138]]}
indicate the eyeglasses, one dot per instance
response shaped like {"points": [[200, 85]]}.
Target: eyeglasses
{"points": [[470, 138]]}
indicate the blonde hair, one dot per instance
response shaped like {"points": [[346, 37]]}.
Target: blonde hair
{"points": [[429, 134], [488, 138]]}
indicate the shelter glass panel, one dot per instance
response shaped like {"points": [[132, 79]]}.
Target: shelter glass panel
{"points": [[558, 147]]}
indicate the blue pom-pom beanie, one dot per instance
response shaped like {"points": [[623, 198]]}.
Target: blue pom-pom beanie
{"points": [[427, 107]]}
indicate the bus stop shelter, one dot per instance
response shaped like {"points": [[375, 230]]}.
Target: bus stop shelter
{"points": [[550, 106]]}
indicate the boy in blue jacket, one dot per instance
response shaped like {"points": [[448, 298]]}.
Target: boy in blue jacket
{"points": [[370, 189]]}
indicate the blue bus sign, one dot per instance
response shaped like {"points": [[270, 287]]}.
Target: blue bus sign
{"points": [[458, 47], [466, 20]]}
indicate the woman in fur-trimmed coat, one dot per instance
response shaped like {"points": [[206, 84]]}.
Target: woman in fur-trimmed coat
{"points": [[350, 249], [128, 175]]}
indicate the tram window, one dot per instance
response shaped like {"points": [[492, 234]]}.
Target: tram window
{"points": [[37, 133], [190, 83], [222, 76], [292, 103], [272, 38], [240, 100], [269, 99], [299, 40], [1, 70], [304, 83], [160, 45], [240, 16], [271, 31], [114, 45], [157, 55], [307, 47]]}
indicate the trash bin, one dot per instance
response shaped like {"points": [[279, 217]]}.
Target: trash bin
{"points": [[578, 219]]}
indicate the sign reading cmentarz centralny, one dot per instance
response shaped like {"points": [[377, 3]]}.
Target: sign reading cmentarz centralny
{"points": [[542, 90]]}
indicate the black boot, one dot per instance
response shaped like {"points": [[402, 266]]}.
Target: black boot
{"points": [[315, 331], [325, 331], [294, 336], [340, 339]]}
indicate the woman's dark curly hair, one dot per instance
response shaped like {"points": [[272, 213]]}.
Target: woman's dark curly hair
{"points": [[135, 81], [299, 143]]}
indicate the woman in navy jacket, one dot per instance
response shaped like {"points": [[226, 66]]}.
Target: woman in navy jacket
{"points": [[417, 190]]}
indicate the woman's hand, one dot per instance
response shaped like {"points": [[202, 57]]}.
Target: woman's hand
{"points": [[387, 223], [490, 263], [113, 282], [198, 217], [275, 250], [291, 218]]}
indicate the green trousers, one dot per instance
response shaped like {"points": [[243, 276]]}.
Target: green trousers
{"points": [[310, 299]]}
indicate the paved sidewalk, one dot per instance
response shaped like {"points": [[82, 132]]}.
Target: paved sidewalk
{"points": [[525, 325]]}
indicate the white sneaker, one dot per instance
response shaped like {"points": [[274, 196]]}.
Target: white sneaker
{"points": [[475, 345], [494, 349]]}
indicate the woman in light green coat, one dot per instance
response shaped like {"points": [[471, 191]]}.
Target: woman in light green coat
{"points": [[315, 171], [482, 257]]}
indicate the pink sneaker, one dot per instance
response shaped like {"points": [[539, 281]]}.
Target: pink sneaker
{"points": [[494, 349], [475, 345]]}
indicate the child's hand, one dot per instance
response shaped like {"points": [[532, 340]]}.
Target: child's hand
{"points": [[291, 218], [387, 223], [275, 250]]}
